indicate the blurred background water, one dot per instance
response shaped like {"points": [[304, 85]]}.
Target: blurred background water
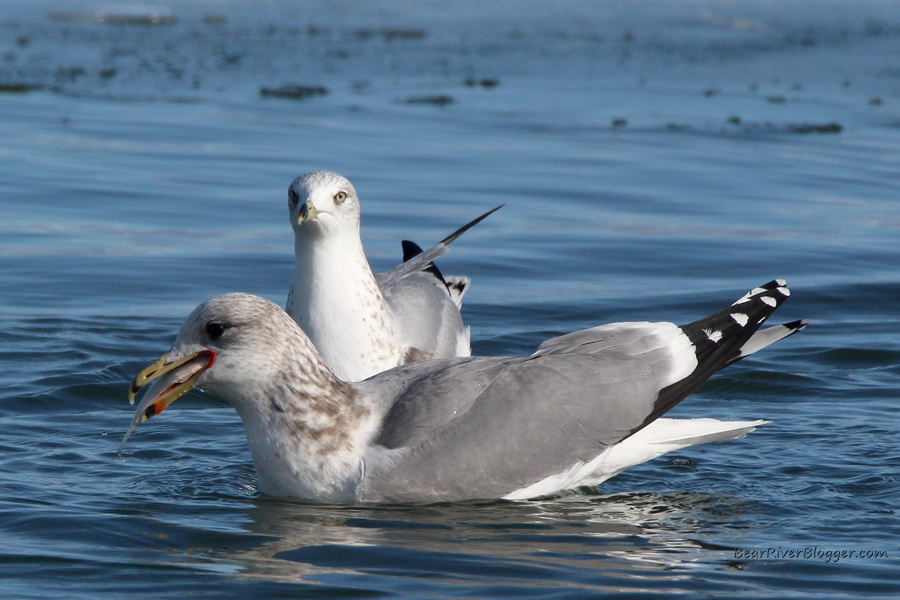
{"points": [[657, 160]]}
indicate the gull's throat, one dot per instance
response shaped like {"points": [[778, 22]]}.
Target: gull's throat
{"points": [[338, 303]]}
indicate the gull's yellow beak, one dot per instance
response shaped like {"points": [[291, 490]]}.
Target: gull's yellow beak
{"points": [[308, 212], [173, 380]]}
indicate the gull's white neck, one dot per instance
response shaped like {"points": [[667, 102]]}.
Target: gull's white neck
{"points": [[340, 307]]}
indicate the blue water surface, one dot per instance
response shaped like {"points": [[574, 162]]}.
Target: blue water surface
{"points": [[656, 162]]}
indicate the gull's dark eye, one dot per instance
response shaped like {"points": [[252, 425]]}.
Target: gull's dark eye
{"points": [[214, 330], [293, 197], [340, 197]]}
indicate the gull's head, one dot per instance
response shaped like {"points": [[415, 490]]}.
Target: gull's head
{"points": [[323, 203], [234, 346]]}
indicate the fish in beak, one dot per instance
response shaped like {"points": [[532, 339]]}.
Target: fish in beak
{"points": [[173, 380]]}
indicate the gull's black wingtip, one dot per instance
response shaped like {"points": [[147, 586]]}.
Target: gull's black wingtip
{"points": [[469, 225], [797, 325], [411, 250], [728, 335]]}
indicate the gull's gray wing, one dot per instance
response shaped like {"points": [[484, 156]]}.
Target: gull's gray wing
{"points": [[427, 322], [486, 427], [416, 400], [424, 305], [491, 426]]}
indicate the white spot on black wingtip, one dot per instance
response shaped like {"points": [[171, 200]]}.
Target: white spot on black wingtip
{"points": [[778, 284], [713, 336], [741, 300], [769, 300], [740, 318]]}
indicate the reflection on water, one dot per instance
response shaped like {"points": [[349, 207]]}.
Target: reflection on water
{"points": [[559, 542]]}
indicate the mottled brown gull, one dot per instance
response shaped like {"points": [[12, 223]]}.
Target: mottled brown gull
{"points": [[363, 322], [580, 409]]}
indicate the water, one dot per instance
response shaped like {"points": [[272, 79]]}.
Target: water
{"points": [[655, 161]]}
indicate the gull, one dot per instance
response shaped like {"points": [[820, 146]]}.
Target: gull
{"points": [[364, 322], [580, 409]]}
